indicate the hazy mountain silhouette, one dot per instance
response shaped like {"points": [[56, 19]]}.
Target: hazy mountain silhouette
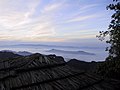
{"points": [[23, 53], [70, 52], [5, 55]]}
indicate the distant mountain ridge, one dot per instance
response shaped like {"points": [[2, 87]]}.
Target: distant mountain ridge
{"points": [[45, 45], [70, 52], [82, 65], [6, 55], [22, 53], [56, 46]]}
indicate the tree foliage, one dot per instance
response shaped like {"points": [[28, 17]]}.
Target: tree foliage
{"points": [[111, 67], [113, 32]]}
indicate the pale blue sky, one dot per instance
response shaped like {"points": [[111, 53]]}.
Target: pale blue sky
{"points": [[52, 20]]}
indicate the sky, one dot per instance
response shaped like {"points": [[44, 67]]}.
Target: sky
{"points": [[53, 20]]}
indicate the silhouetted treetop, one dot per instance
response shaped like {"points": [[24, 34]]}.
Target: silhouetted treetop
{"points": [[113, 31]]}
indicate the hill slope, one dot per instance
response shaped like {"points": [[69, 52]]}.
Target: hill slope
{"points": [[49, 72], [82, 65], [5, 55]]}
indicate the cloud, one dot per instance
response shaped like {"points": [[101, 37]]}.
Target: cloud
{"points": [[88, 7], [42, 20], [82, 18], [51, 7], [54, 6], [12, 15], [80, 34], [30, 30], [12, 19], [19, 25]]}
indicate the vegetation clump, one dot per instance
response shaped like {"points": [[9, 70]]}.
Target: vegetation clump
{"points": [[111, 67]]}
